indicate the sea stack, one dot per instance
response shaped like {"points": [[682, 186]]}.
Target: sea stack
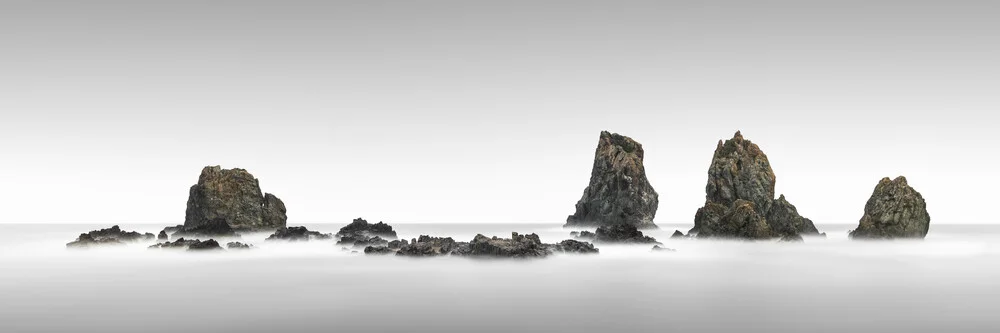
{"points": [[233, 195], [739, 197], [619, 192], [895, 210]]}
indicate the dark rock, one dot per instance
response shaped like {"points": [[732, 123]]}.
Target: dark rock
{"points": [[657, 248], [178, 243], [619, 191], [216, 227], [397, 244], [238, 246], [622, 233], [739, 197], [429, 246], [162, 235], [109, 236], [518, 246], [360, 227], [586, 235], [297, 234], [208, 245], [895, 210], [378, 250], [572, 246], [791, 238], [359, 241], [677, 234], [574, 234], [235, 197]]}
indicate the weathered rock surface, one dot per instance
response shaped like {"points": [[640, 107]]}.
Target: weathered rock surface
{"points": [[360, 241], [216, 227], [178, 243], [619, 191], [573, 246], [622, 233], [427, 246], [518, 246], [739, 197], [233, 195], [895, 210], [238, 246], [109, 236], [208, 245], [297, 234], [360, 227], [162, 235]]}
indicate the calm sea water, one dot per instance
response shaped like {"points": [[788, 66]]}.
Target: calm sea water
{"points": [[948, 282]]}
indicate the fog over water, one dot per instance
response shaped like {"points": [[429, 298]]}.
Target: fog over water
{"points": [[947, 282]]}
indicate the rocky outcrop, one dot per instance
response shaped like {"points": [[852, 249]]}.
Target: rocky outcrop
{"points": [[739, 197], [162, 236], [518, 246], [234, 196], [618, 233], [360, 227], [216, 227], [677, 234], [190, 244], [238, 246], [895, 210], [619, 191], [208, 245], [360, 241], [657, 248], [108, 236], [297, 234]]}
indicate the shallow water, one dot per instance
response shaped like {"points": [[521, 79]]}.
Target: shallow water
{"points": [[950, 281]]}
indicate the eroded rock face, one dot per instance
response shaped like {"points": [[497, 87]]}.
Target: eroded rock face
{"points": [[297, 234], [233, 195], [739, 197], [895, 210], [360, 227], [217, 227], [619, 191], [108, 236]]}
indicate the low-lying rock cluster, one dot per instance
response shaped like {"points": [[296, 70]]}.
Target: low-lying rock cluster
{"points": [[517, 246], [297, 234], [110, 236], [618, 233]]}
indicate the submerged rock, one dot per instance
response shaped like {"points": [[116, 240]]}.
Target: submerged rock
{"points": [[426, 246], [238, 246], [622, 233], [739, 197], [895, 210], [162, 235], [657, 248], [208, 245], [677, 234], [359, 241], [234, 196], [297, 234], [573, 246], [518, 246], [108, 236], [619, 192], [178, 243], [360, 227], [217, 227]]}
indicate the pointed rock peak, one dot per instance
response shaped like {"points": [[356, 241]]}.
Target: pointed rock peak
{"points": [[738, 136], [781, 198], [900, 180], [618, 191]]}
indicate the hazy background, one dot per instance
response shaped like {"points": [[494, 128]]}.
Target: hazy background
{"points": [[474, 111]]}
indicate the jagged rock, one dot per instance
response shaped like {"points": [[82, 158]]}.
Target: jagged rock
{"points": [[397, 244], [739, 197], [233, 195], [518, 246], [791, 238], [162, 235], [657, 248], [238, 246], [677, 234], [108, 236], [379, 250], [297, 234], [360, 227], [895, 210], [784, 219], [172, 230], [574, 234], [622, 233], [208, 245], [586, 235], [360, 241], [572, 246], [619, 191], [429, 246], [216, 227], [178, 243]]}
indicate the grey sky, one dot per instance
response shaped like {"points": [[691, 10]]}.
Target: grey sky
{"points": [[475, 111]]}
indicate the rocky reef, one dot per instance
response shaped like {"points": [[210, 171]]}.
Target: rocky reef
{"points": [[109, 236], [216, 227], [518, 246], [189, 244], [234, 196], [297, 234], [619, 192], [895, 210], [360, 227], [618, 233], [739, 197], [238, 246]]}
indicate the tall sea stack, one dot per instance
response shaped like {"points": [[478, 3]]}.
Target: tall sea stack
{"points": [[895, 210], [739, 197], [619, 192], [233, 195]]}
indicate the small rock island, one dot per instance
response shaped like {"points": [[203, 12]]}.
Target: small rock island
{"points": [[234, 196], [619, 192], [739, 198], [895, 210]]}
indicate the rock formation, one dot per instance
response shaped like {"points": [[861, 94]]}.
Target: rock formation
{"points": [[677, 234], [620, 233], [619, 191], [895, 210], [518, 246], [297, 234], [190, 244], [163, 235], [233, 195], [360, 227], [208, 245], [216, 227], [739, 197], [109, 236], [238, 246]]}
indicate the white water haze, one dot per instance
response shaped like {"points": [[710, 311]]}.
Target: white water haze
{"points": [[949, 282]]}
